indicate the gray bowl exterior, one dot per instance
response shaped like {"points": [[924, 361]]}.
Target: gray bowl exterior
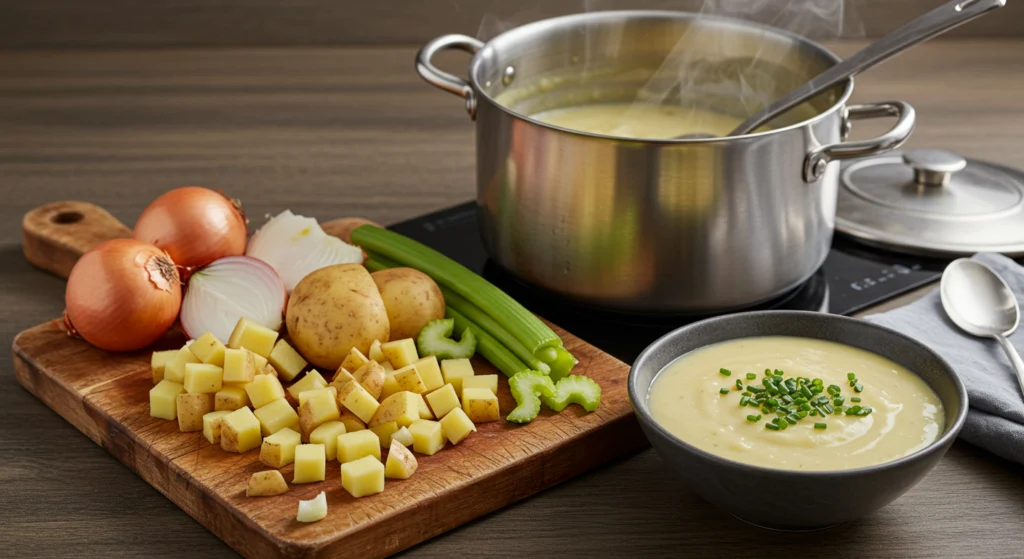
{"points": [[788, 499]]}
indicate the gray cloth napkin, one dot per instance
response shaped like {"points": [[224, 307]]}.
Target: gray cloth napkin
{"points": [[995, 420]]}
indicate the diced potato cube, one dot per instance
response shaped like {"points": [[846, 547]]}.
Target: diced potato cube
{"points": [[342, 377], [490, 382], [230, 398], [318, 409], [424, 410], [211, 425], [371, 376], [454, 370], [354, 360], [263, 366], [402, 437], [310, 463], [384, 432], [286, 361], [427, 436], [239, 366], [312, 510], [401, 463], [430, 372], [353, 446], [443, 400], [163, 399], [457, 426], [208, 349], [264, 389], [275, 416], [158, 361], [402, 408], [409, 380], [400, 353], [312, 381], [303, 396], [327, 435], [201, 378], [390, 385], [357, 400], [252, 336], [388, 367], [174, 369], [240, 431], [278, 450], [191, 409], [480, 404], [363, 477], [376, 354], [266, 484], [352, 423]]}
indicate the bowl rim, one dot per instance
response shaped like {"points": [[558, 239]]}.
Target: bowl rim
{"points": [[523, 31], [938, 445]]}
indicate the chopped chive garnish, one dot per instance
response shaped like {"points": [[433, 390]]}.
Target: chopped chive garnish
{"points": [[724, 372], [751, 376], [839, 411], [838, 400], [767, 372], [834, 390], [793, 399], [753, 418], [853, 383], [859, 388], [771, 426], [851, 376], [744, 401], [755, 389], [865, 410], [739, 384], [800, 401], [723, 391], [853, 410], [773, 402], [854, 399], [801, 414], [806, 392], [821, 425], [782, 425]]}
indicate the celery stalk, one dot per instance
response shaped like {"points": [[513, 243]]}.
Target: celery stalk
{"points": [[488, 348], [492, 327], [521, 323]]}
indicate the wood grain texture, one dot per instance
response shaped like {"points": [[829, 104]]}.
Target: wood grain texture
{"points": [[350, 131], [106, 396], [54, 236], [144, 23]]}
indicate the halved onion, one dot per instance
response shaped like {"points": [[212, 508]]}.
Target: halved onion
{"points": [[297, 246], [229, 289]]}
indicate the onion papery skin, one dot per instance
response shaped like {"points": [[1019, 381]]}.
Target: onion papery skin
{"points": [[122, 295], [195, 225], [229, 289]]}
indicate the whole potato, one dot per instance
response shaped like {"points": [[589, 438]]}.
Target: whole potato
{"points": [[411, 298], [334, 309]]}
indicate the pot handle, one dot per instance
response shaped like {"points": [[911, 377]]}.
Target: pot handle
{"points": [[441, 79], [817, 160]]}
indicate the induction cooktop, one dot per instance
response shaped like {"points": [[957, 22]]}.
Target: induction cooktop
{"points": [[852, 278]]}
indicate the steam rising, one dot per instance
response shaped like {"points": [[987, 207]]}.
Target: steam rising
{"points": [[718, 75]]}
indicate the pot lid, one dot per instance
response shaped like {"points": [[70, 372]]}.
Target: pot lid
{"points": [[933, 202]]}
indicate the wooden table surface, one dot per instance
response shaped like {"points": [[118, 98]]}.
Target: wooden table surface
{"points": [[347, 131]]}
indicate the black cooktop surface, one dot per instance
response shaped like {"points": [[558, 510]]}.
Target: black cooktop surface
{"points": [[852, 278]]}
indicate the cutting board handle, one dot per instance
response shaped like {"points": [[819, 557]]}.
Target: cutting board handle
{"points": [[56, 235]]}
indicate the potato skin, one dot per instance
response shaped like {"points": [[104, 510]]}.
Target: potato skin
{"points": [[411, 298], [333, 310]]}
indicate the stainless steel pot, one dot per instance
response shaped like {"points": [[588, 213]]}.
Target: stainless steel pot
{"points": [[655, 225]]}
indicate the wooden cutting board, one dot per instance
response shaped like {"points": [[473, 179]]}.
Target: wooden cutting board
{"points": [[105, 395]]}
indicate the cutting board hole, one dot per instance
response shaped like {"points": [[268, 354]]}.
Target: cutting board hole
{"points": [[64, 218]]}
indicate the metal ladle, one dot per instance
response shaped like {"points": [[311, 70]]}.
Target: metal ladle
{"points": [[981, 304], [925, 27]]}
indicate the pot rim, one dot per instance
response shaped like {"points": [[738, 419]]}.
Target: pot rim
{"points": [[518, 33], [640, 408]]}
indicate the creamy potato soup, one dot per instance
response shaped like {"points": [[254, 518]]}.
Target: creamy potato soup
{"points": [[639, 120], [697, 398]]}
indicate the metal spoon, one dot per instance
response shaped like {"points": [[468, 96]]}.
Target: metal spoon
{"points": [[981, 304], [925, 27]]}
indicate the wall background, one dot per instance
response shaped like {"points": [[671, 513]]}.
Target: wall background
{"points": [[28, 24]]}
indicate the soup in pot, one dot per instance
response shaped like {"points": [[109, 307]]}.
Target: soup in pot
{"points": [[639, 120], [796, 404]]}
